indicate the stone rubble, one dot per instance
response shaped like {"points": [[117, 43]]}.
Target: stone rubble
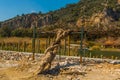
{"points": [[66, 68]]}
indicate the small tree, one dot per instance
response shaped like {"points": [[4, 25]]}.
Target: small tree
{"points": [[5, 31]]}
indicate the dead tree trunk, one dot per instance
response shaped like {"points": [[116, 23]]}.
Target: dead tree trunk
{"points": [[51, 51]]}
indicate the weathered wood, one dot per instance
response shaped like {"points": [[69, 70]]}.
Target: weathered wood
{"points": [[51, 51]]}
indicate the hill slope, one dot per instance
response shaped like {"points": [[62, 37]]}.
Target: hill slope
{"points": [[102, 18]]}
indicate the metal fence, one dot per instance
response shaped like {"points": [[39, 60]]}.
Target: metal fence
{"points": [[68, 47]]}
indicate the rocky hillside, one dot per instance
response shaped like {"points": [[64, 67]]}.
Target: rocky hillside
{"points": [[101, 18], [26, 20]]}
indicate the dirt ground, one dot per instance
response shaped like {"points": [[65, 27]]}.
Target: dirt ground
{"points": [[90, 71], [12, 68]]}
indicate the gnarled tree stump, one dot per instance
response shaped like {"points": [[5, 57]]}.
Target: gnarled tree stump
{"points": [[51, 51]]}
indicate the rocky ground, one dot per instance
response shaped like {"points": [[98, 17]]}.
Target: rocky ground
{"points": [[19, 66]]}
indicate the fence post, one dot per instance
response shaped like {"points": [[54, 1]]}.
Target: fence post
{"points": [[27, 47], [38, 45], [19, 46], [46, 43], [49, 41], [33, 48], [33, 42], [0, 45], [69, 45], [116, 58], [81, 43], [3, 45], [13, 48], [59, 50], [6, 46], [112, 57], [101, 56], [9, 46], [90, 55], [24, 49], [64, 46]]}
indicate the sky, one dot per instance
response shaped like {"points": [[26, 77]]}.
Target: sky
{"points": [[11, 8]]}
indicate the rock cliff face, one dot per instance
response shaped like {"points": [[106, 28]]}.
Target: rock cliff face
{"points": [[103, 19], [26, 20], [100, 18]]}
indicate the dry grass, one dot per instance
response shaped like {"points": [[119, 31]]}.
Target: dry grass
{"points": [[20, 39], [11, 44], [11, 41], [17, 40]]}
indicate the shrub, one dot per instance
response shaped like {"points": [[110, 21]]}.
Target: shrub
{"points": [[90, 44], [95, 48]]}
